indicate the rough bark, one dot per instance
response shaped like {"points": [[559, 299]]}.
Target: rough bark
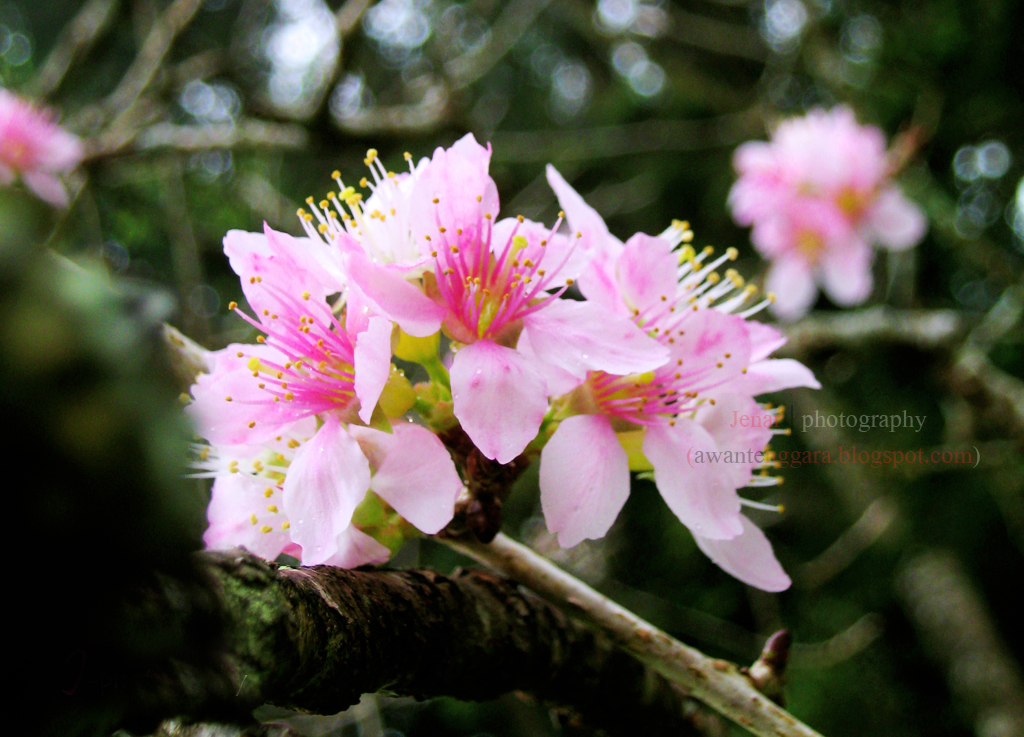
{"points": [[317, 638]]}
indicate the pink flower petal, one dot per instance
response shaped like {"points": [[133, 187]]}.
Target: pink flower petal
{"points": [[694, 488], [372, 364], [47, 186], [454, 191], [500, 398], [238, 515], [579, 336], [356, 548], [414, 473], [558, 380], [647, 271], [225, 422], [846, 273], [764, 340], [583, 218], [748, 557], [898, 223], [792, 283], [327, 479], [774, 374], [713, 346], [584, 479], [388, 294], [741, 426]]}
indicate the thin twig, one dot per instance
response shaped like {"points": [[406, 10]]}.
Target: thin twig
{"points": [[150, 57], [719, 684], [719, 37], [188, 268], [349, 15], [75, 40], [506, 31], [957, 630], [924, 329], [246, 133], [871, 525], [426, 115], [630, 139]]}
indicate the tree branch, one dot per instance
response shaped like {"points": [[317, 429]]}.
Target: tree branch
{"points": [[717, 683], [246, 133], [628, 139], [151, 56], [925, 329], [74, 41], [317, 638]]}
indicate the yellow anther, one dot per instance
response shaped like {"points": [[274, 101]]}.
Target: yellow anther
{"points": [[293, 443], [408, 156], [252, 424], [363, 182], [252, 518], [272, 508], [322, 228], [227, 399], [732, 253], [266, 528], [285, 525], [289, 396], [260, 339], [335, 174], [310, 200], [268, 492], [232, 305], [305, 295]]}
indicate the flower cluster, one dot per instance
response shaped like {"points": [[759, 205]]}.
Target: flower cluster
{"points": [[818, 195], [35, 148], [310, 432]]}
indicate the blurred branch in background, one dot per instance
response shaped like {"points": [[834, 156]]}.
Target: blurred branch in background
{"points": [[927, 330], [957, 630], [246, 133], [74, 42], [626, 140], [516, 17]]}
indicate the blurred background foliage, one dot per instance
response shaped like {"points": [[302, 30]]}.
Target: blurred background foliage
{"points": [[207, 115]]}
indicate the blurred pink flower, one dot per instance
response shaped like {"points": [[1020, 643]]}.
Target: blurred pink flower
{"points": [[819, 196], [657, 420], [35, 148]]}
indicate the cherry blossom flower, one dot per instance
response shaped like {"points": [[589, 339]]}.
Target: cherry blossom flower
{"points": [[312, 367], [819, 195], [297, 493], [35, 148], [495, 287], [656, 421]]}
